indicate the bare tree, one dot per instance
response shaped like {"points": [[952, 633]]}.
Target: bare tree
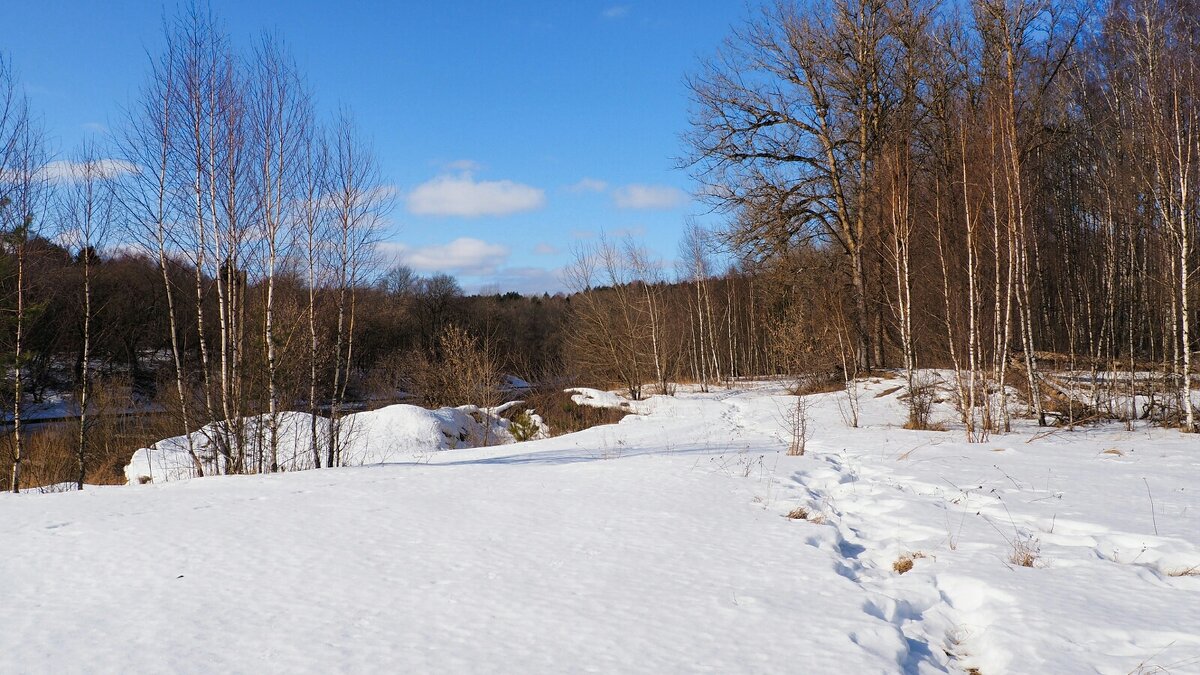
{"points": [[280, 117], [649, 275], [695, 268], [792, 113], [1160, 40], [86, 218], [147, 198], [24, 195], [313, 227], [612, 324], [24, 220], [357, 200]]}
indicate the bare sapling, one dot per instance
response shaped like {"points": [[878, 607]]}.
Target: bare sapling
{"points": [[798, 426], [850, 370]]}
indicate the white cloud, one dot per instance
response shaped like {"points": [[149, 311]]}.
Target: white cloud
{"points": [[542, 248], [615, 12], [525, 280], [463, 165], [588, 185], [65, 170], [638, 196], [464, 256], [462, 195], [95, 128]]}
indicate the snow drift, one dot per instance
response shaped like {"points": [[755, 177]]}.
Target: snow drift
{"points": [[394, 433]]}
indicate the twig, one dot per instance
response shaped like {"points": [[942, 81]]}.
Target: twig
{"points": [[1153, 518], [1010, 478]]}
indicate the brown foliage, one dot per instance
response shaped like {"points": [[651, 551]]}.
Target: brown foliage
{"points": [[460, 371], [564, 416]]}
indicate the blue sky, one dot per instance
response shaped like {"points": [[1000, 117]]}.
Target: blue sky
{"points": [[512, 131]]}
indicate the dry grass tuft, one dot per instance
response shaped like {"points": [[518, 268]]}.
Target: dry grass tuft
{"points": [[927, 426], [51, 461], [1025, 553], [1113, 451], [801, 513], [1193, 571], [905, 562], [886, 392], [816, 385]]}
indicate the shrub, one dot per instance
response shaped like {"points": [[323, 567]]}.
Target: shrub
{"points": [[921, 397], [460, 371]]}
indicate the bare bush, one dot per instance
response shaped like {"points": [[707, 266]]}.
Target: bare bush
{"points": [[459, 371], [922, 394]]}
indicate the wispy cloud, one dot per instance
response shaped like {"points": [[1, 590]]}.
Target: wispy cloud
{"points": [[462, 195], [95, 128], [543, 248], [464, 256], [588, 185], [640, 196], [615, 12], [526, 280], [66, 171], [463, 165], [637, 232]]}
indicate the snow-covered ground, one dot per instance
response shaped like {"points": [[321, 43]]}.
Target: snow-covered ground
{"points": [[660, 544]]}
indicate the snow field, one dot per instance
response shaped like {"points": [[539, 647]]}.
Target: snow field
{"points": [[660, 544]]}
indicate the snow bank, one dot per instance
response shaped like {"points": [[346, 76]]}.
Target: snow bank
{"points": [[512, 383], [394, 433], [407, 431], [168, 459], [598, 399]]}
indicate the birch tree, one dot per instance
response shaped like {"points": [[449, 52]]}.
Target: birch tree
{"points": [[147, 201], [87, 218], [357, 201], [279, 118], [24, 196]]}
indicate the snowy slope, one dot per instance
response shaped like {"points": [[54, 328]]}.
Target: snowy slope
{"points": [[656, 545]]}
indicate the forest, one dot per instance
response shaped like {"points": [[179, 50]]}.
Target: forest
{"points": [[1004, 189]]}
